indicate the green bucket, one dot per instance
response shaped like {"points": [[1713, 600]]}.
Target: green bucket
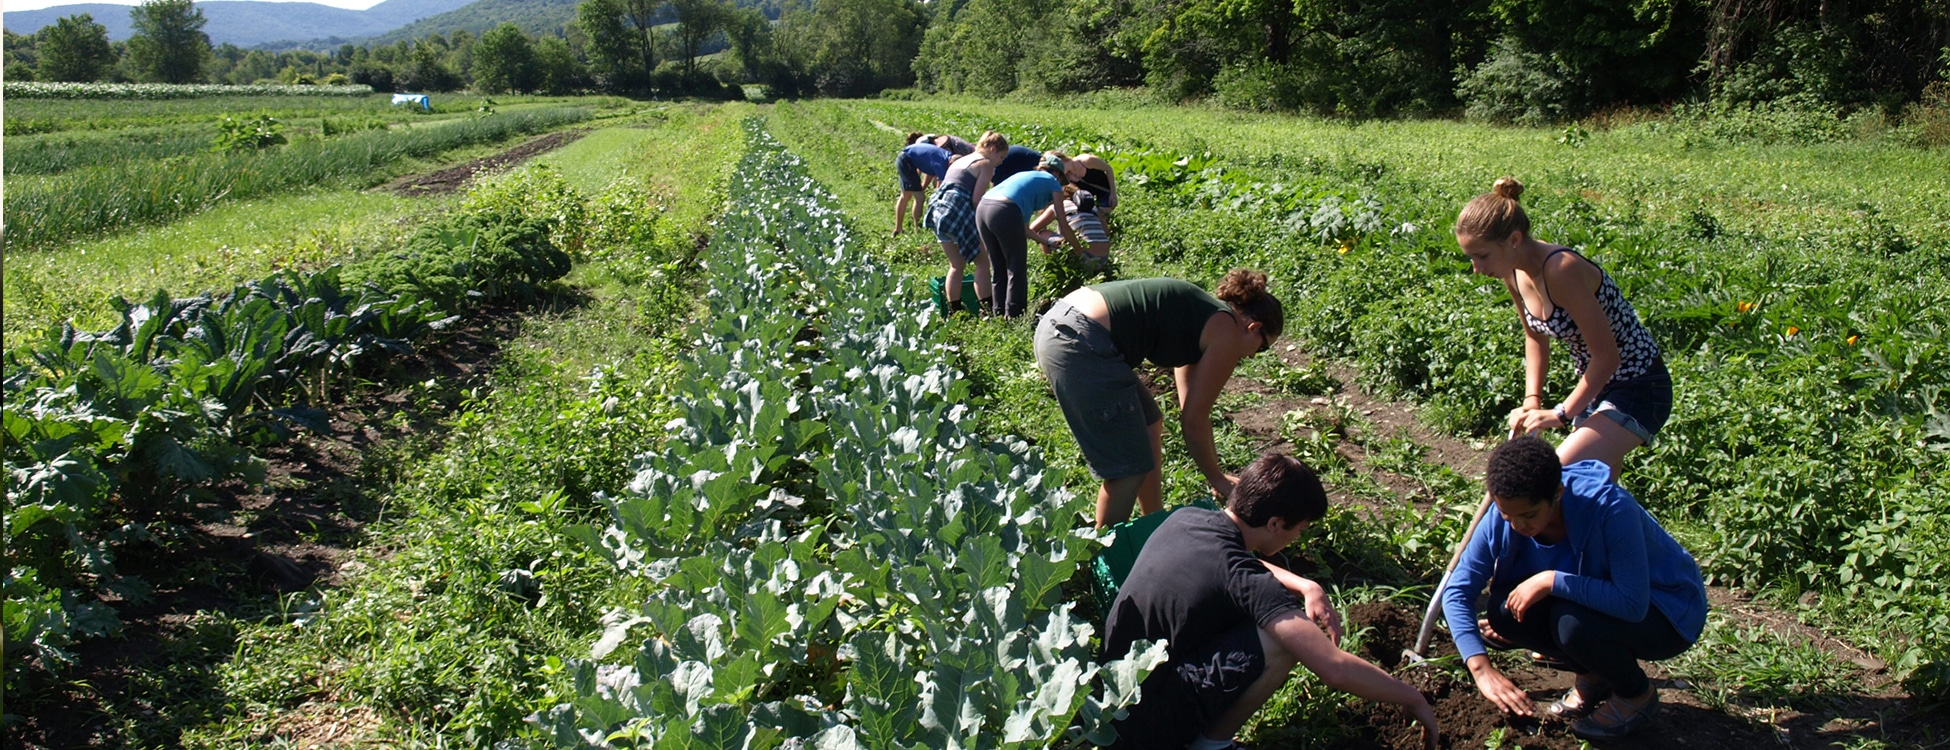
{"points": [[969, 301], [1109, 568]]}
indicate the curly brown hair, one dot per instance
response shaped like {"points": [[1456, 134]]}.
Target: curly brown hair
{"points": [[1246, 291]]}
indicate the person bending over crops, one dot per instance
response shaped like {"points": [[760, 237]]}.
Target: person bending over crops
{"points": [[1090, 343], [1020, 159], [1235, 625], [956, 146], [951, 214], [1090, 172], [1562, 295], [916, 159], [1001, 218], [1080, 208], [1580, 574]]}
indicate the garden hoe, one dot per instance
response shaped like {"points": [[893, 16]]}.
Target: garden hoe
{"points": [[1413, 657]]}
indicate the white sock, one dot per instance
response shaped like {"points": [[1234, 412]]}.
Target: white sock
{"points": [[1206, 743]]}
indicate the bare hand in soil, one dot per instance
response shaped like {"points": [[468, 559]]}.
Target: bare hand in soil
{"points": [[1222, 487], [1425, 715], [1322, 612], [1498, 688], [1533, 590]]}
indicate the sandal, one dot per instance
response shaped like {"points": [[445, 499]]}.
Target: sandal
{"points": [[1576, 703], [1609, 722]]}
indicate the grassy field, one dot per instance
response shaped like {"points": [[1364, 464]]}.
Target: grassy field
{"points": [[1798, 289], [1795, 286]]}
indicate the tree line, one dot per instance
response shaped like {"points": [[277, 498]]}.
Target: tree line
{"points": [[1510, 60]]}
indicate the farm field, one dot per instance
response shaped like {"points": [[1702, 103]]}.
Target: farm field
{"points": [[723, 479]]}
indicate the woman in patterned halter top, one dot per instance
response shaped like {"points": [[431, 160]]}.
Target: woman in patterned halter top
{"points": [[1561, 295]]}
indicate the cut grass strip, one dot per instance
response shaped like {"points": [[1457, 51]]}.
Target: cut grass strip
{"points": [[68, 207], [206, 252]]}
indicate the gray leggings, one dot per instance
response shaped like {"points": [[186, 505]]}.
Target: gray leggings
{"points": [[1006, 240]]}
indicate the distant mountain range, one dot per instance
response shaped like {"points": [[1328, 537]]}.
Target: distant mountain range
{"points": [[247, 23], [251, 23]]}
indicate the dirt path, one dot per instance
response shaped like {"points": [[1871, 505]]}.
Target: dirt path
{"points": [[455, 177], [1875, 710]]}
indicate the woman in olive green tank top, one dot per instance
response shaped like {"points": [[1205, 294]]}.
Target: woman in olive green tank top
{"points": [[1090, 343]]}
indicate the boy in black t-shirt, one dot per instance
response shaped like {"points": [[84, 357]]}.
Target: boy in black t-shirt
{"points": [[1235, 624]]}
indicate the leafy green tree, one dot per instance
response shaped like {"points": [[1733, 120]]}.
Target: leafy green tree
{"points": [[697, 20], [857, 47], [75, 48], [504, 61], [169, 45], [20, 56], [622, 41], [426, 68], [558, 69]]}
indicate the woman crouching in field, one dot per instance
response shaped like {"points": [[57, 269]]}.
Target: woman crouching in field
{"points": [[1089, 346], [1561, 295], [951, 214], [1581, 574]]}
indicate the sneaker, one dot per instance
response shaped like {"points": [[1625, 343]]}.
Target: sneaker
{"points": [[1610, 721]]}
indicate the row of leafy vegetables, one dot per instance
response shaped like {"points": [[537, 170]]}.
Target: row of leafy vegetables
{"points": [[113, 438], [835, 561], [1809, 450]]}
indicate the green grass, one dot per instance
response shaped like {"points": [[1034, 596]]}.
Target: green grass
{"points": [[428, 637], [206, 252], [66, 207], [26, 116]]}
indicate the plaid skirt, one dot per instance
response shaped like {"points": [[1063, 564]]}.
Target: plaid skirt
{"points": [[952, 217]]}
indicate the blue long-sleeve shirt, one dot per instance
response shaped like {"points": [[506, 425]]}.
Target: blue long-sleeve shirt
{"points": [[1614, 558]]}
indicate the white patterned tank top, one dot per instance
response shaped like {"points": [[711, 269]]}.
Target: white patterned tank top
{"points": [[1636, 349]]}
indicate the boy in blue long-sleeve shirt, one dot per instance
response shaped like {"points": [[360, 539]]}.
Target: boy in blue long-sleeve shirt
{"points": [[1578, 572]]}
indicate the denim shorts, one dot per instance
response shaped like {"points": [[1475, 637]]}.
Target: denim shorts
{"points": [[1108, 409], [1641, 404]]}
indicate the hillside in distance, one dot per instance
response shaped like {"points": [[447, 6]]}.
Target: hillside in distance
{"points": [[249, 23], [540, 17]]}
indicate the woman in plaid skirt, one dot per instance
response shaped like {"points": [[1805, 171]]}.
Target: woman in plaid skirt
{"points": [[951, 214]]}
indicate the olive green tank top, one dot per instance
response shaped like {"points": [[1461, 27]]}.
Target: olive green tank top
{"points": [[1158, 319]]}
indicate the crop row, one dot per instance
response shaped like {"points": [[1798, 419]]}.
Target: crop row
{"points": [[113, 437], [1810, 446], [155, 91], [69, 206], [832, 557]]}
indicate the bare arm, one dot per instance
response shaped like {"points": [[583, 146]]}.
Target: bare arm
{"points": [[984, 172], [1199, 384], [1319, 609], [1343, 671]]}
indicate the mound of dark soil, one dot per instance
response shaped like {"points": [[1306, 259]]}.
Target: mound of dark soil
{"points": [[454, 178], [1468, 720]]}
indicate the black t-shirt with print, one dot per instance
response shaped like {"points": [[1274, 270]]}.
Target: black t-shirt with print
{"points": [[1194, 580]]}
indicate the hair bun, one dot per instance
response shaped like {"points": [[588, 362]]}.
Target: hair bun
{"points": [[1507, 187]]}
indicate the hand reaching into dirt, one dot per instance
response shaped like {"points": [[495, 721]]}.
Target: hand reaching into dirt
{"points": [[1222, 487], [1425, 715], [1498, 688]]}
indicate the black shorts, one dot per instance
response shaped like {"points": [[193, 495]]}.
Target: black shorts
{"points": [[1188, 693]]}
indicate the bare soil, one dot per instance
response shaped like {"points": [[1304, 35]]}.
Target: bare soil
{"points": [[453, 178], [244, 547], [1875, 709]]}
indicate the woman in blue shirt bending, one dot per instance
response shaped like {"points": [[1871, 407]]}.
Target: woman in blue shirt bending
{"points": [[1578, 572], [1001, 220]]}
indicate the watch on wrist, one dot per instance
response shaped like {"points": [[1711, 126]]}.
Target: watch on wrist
{"points": [[1562, 417]]}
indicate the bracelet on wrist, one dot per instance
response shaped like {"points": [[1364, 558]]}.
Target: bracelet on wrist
{"points": [[1563, 417]]}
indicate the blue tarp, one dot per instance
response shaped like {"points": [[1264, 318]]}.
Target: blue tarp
{"points": [[420, 99]]}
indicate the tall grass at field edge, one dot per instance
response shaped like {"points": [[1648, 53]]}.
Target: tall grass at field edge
{"points": [[66, 208]]}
